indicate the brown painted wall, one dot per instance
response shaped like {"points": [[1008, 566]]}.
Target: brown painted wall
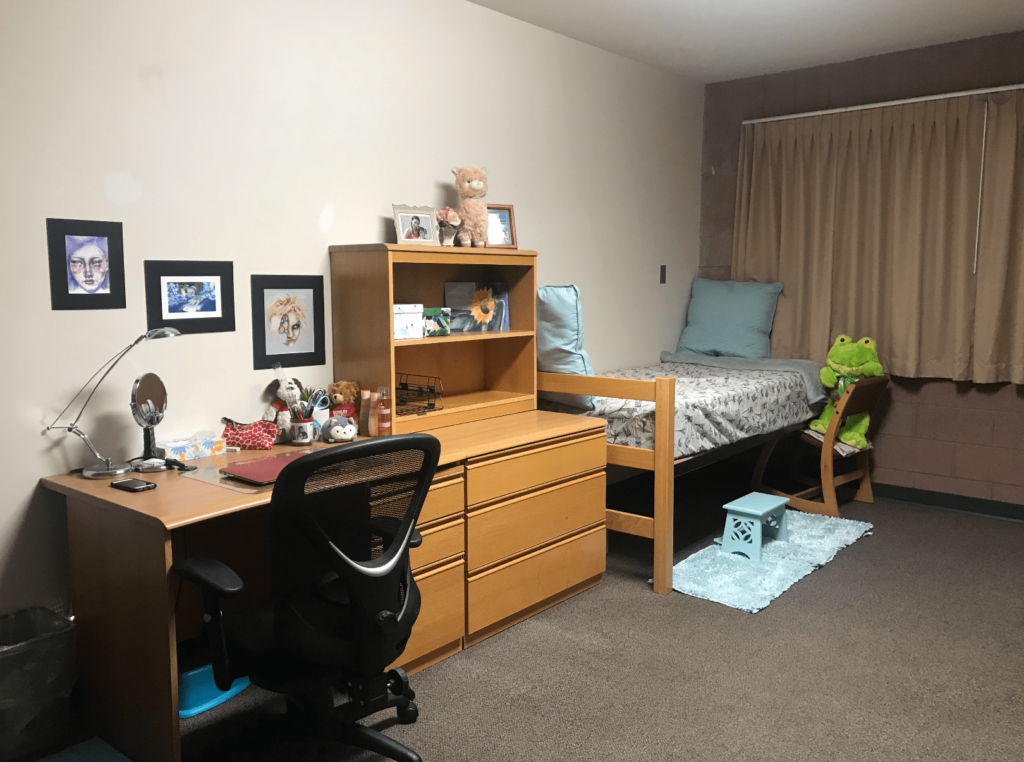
{"points": [[938, 435]]}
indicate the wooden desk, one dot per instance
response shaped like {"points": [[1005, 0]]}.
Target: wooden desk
{"points": [[121, 550]]}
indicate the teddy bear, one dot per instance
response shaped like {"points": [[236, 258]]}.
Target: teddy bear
{"points": [[471, 185], [339, 429], [278, 400], [343, 396]]}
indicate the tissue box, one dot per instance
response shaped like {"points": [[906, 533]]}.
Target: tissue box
{"points": [[408, 321], [185, 449], [437, 321]]}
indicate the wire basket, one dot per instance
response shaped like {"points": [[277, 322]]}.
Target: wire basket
{"points": [[417, 395]]}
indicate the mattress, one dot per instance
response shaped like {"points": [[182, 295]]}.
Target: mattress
{"points": [[714, 406]]}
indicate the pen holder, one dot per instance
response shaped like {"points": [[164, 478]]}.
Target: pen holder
{"points": [[303, 431]]}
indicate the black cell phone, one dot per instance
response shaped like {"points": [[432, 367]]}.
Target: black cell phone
{"points": [[132, 485]]}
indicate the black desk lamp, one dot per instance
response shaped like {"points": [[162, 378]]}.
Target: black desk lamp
{"points": [[105, 467]]}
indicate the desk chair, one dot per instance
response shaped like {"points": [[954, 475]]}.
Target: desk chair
{"points": [[341, 522], [860, 397]]}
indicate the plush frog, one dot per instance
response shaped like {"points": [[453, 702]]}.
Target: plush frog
{"points": [[848, 361]]}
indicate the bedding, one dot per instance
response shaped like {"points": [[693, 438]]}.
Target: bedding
{"points": [[716, 404]]}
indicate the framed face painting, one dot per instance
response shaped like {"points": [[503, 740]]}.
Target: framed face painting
{"points": [[287, 320], [192, 296], [86, 264]]}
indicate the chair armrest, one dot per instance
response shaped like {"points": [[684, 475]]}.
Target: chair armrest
{"points": [[209, 575], [416, 539]]}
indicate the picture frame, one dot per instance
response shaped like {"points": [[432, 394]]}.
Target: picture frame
{"points": [[409, 223], [193, 296], [501, 226], [86, 260], [287, 321]]}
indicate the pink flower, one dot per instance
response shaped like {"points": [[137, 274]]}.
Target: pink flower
{"points": [[449, 215]]}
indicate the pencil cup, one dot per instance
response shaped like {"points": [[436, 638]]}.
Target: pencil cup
{"points": [[303, 431]]}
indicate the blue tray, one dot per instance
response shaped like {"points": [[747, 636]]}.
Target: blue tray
{"points": [[197, 692]]}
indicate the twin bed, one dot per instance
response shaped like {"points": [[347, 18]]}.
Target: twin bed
{"points": [[683, 414]]}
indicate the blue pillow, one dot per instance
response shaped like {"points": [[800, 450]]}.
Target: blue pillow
{"points": [[729, 319], [560, 340]]}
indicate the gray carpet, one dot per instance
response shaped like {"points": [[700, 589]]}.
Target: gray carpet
{"points": [[909, 645]]}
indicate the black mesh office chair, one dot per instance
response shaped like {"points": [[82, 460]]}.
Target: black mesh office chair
{"points": [[341, 522]]}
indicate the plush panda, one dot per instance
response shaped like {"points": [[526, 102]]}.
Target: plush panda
{"points": [[339, 430]]}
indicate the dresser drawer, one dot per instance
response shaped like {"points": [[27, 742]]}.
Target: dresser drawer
{"points": [[442, 618], [504, 529], [444, 499], [444, 541], [510, 588], [495, 476]]}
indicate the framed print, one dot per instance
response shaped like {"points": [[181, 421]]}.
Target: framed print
{"points": [[86, 264], [192, 296], [416, 224], [477, 306], [501, 226], [287, 320]]}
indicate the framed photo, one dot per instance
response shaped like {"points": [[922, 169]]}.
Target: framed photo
{"points": [[86, 264], [501, 226], [192, 296], [477, 306], [416, 224], [287, 320]]}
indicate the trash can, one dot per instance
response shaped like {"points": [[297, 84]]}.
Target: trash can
{"points": [[37, 672]]}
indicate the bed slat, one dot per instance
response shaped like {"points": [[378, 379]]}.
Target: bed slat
{"points": [[634, 457], [617, 388], [630, 523]]}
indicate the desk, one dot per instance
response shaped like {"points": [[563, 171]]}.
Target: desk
{"points": [[121, 551]]}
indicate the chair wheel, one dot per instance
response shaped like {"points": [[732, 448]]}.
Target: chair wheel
{"points": [[408, 715], [398, 681]]}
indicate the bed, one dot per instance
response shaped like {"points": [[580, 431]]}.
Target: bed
{"points": [[684, 413]]}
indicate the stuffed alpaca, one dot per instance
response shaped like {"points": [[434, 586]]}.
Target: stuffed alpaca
{"points": [[471, 185], [847, 362], [279, 399], [343, 396]]}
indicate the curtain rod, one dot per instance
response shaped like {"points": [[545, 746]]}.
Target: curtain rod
{"points": [[943, 96]]}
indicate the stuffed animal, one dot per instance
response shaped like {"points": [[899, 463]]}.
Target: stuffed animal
{"points": [[471, 185], [343, 396], [847, 362], [279, 399], [339, 429]]}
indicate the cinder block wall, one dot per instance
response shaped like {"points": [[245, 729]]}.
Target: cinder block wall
{"points": [[959, 438]]}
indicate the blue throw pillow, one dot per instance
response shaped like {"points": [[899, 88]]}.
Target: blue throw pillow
{"points": [[560, 340], [729, 319]]}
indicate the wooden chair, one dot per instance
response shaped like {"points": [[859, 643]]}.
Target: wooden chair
{"points": [[861, 397]]}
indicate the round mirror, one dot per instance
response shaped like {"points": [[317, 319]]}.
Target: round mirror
{"points": [[149, 400]]}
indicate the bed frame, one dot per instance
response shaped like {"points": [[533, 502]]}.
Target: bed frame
{"points": [[661, 460]]}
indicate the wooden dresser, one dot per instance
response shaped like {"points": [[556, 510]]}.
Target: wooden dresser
{"points": [[515, 519]]}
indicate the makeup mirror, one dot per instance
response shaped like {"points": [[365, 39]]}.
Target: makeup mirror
{"points": [[149, 403]]}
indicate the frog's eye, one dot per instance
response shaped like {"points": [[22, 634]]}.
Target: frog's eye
{"points": [[866, 342], [842, 339]]}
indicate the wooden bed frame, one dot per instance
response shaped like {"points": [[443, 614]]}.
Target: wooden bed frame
{"points": [[661, 460]]}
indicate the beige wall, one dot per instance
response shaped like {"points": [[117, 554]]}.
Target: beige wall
{"points": [[231, 129], [936, 435]]}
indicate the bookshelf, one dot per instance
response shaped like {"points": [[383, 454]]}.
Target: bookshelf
{"points": [[484, 375]]}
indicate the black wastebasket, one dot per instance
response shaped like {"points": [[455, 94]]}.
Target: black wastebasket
{"points": [[37, 672]]}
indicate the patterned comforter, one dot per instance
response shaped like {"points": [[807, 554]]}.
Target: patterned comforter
{"points": [[714, 406]]}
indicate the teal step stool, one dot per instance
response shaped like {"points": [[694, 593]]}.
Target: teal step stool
{"points": [[747, 519]]}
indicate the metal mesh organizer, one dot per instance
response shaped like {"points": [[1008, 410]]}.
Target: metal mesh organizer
{"points": [[416, 395]]}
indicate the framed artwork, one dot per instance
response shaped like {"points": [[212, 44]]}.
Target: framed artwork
{"points": [[501, 226], [192, 296], [477, 306], [86, 264], [287, 320], [416, 224]]}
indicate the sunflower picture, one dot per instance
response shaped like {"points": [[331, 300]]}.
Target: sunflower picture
{"points": [[477, 306]]}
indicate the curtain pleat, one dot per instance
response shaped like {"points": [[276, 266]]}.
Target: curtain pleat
{"points": [[999, 322]]}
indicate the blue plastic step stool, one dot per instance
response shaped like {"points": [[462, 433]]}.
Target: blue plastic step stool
{"points": [[747, 519]]}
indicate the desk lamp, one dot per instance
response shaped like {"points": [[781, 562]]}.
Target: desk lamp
{"points": [[105, 467]]}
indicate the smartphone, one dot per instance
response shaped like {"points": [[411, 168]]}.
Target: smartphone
{"points": [[132, 485]]}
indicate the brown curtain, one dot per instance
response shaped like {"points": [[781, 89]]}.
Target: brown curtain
{"points": [[784, 226], [999, 322], [878, 240]]}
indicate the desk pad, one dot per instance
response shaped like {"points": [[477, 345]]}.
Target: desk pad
{"points": [[212, 475]]}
